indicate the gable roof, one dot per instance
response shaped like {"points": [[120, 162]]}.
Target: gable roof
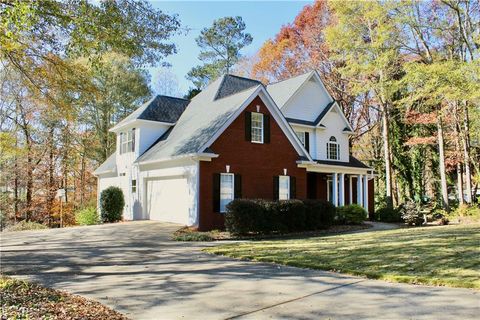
{"points": [[208, 115], [282, 91], [233, 84], [198, 123], [160, 108]]}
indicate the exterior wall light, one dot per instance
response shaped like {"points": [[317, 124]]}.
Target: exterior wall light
{"points": [[227, 168], [284, 172]]}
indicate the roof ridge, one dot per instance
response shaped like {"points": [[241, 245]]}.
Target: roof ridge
{"points": [[163, 95], [240, 77], [302, 74]]}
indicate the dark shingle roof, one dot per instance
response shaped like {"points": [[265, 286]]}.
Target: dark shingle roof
{"points": [[164, 109], [353, 162], [317, 121], [233, 84]]}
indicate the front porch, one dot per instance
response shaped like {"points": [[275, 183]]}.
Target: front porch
{"points": [[342, 188]]}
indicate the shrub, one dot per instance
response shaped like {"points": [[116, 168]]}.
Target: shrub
{"points": [[87, 216], [351, 214], [111, 204], [319, 214], [411, 213], [388, 215], [292, 214], [244, 216], [26, 225]]}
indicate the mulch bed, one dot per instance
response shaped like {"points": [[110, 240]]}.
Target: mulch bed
{"points": [[25, 300], [191, 234]]}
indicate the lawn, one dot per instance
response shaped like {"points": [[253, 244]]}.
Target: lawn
{"points": [[444, 256], [25, 300]]}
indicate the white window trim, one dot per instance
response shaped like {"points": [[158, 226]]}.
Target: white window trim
{"points": [[262, 128], [233, 190], [133, 186], [301, 135], [337, 148], [288, 187], [126, 141]]}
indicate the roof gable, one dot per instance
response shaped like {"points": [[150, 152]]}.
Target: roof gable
{"points": [[207, 117], [234, 84], [160, 108]]}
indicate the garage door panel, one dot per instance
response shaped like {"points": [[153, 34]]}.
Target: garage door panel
{"points": [[168, 199]]}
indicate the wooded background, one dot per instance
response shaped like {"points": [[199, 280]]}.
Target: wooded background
{"points": [[406, 74]]}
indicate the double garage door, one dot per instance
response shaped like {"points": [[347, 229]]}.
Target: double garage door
{"points": [[168, 199]]}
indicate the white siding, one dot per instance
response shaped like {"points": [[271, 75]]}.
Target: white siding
{"points": [[308, 102], [313, 138], [334, 125], [149, 133]]}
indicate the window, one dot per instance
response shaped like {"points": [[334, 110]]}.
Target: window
{"points": [[333, 149], [301, 136], [226, 190], [127, 141], [283, 187], [122, 174], [134, 186], [257, 127]]}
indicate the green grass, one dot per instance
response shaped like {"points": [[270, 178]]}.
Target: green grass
{"points": [[443, 256]]}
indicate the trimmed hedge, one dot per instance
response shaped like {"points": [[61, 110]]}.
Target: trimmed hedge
{"points": [[111, 204], [245, 216], [351, 214]]}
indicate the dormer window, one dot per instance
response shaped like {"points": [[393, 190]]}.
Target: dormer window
{"points": [[127, 141], [257, 127], [333, 149]]}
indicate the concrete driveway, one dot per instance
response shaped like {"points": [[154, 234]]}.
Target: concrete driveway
{"points": [[135, 268]]}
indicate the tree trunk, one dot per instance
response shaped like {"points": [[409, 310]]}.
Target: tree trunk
{"points": [[466, 153], [459, 163], [386, 154], [443, 176]]}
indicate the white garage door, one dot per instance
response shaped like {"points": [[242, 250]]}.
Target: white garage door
{"points": [[168, 199]]}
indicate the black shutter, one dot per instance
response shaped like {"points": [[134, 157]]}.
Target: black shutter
{"points": [[293, 188], [275, 187], [248, 126], [307, 141], [266, 128], [238, 186], [216, 192]]}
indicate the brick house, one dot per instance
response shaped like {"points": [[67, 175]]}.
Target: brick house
{"points": [[183, 161]]}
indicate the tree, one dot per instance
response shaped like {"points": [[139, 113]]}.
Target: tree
{"points": [[37, 35], [220, 47], [165, 82], [364, 39], [118, 89]]}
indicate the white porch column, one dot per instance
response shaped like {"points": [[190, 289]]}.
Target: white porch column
{"points": [[359, 190], [341, 187], [365, 192], [335, 189], [350, 194]]}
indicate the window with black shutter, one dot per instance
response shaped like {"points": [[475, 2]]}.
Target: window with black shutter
{"points": [[248, 126], [293, 188], [275, 188]]}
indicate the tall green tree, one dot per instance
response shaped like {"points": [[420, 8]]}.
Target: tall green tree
{"points": [[364, 41], [220, 47], [118, 89]]}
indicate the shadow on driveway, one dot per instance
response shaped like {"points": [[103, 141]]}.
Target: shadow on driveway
{"points": [[135, 268]]}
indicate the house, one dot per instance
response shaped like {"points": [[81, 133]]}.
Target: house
{"points": [[183, 161]]}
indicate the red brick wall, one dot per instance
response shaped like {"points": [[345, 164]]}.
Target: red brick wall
{"points": [[256, 163]]}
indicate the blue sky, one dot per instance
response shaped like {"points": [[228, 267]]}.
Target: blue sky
{"points": [[262, 18]]}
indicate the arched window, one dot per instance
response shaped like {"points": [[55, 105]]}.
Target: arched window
{"points": [[333, 149]]}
